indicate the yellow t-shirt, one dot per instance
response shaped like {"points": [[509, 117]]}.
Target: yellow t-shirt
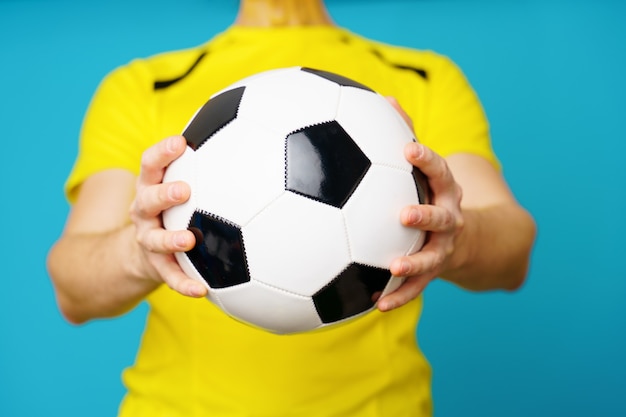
{"points": [[193, 359]]}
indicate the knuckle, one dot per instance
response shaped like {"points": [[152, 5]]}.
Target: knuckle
{"points": [[449, 221], [148, 243], [153, 241], [145, 161], [173, 283], [168, 241], [459, 193], [424, 215], [139, 206], [163, 194], [422, 266], [144, 241], [169, 282], [459, 223], [438, 259], [132, 212]]}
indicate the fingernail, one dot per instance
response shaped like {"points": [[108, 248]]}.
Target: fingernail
{"points": [[418, 151], [171, 144], [385, 305], [404, 267], [197, 290], [414, 216]]}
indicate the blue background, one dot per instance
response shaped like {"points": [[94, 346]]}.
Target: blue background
{"points": [[551, 77]]}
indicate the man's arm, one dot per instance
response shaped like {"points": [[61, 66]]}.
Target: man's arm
{"points": [[110, 257], [480, 238], [498, 234]]}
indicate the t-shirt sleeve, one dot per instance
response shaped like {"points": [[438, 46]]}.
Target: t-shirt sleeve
{"points": [[118, 126], [454, 120]]}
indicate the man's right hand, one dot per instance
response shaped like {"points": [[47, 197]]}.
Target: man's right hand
{"points": [[152, 198]]}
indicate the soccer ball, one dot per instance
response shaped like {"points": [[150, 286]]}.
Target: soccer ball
{"points": [[297, 180]]}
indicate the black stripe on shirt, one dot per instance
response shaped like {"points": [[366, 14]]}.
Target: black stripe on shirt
{"points": [[419, 71], [160, 85]]}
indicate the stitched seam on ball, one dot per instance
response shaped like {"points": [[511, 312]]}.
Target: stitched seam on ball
{"points": [[262, 209], [347, 234], [408, 169], [352, 260], [282, 290]]}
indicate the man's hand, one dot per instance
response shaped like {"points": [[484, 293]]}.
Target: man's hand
{"points": [[442, 219], [152, 198], [479, 237]]}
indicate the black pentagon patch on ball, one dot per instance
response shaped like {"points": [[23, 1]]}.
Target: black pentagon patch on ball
{"points": [[353, 291], [214, 115], [324, 163], [336, 78], [219, 254]]}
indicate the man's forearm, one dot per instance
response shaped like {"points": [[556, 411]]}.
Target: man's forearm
{"points": [[95, 275], [493, 250]]}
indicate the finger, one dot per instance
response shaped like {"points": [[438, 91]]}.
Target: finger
{"points": [[156, 158], [427, 260], [409, 290], [163, 241], [157, 198], [431, 164], [428, 218], [176, 279]]}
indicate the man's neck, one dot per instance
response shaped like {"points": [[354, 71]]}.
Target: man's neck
{"points": [[282, 13]]}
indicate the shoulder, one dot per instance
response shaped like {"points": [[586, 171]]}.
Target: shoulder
{"points": [[156, 70]]}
